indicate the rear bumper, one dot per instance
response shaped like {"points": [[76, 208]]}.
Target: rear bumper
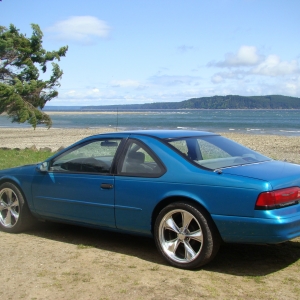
{"points": [[257, 230]]}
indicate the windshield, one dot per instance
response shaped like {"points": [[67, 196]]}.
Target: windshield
{"points": [[215, 152]]}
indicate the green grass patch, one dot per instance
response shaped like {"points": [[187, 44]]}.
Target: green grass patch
{"points": [[13, 158], [81, 246]]}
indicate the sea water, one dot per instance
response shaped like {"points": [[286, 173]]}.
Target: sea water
{"points": [[282, 122]]}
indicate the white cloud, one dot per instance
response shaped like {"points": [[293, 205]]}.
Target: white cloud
{"points": [[81, 29], [217, 78], [246, 63], [292, 86], [125, 83], [167, 80], [71, 92], [273, 66], [222, 76], [245, 56]]}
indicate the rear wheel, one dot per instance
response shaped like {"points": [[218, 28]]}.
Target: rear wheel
{"points": [[14, 213], [186, 236]]}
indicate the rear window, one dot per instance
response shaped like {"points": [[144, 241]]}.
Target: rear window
{"points": [[215, 152]]}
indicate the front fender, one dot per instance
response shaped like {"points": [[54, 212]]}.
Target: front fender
{"points": [[23, 183]]}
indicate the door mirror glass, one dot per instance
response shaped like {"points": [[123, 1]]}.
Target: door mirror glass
{"points": [[44, 166]]}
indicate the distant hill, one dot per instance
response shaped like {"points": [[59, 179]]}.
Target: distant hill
{"points": [[215, 102]]}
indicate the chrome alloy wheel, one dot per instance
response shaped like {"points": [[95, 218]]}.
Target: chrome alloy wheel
{"points": [[9, 208], [180, 236]]}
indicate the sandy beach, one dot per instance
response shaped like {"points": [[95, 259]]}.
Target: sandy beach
{"points": [[274, 146], [53, 138]]}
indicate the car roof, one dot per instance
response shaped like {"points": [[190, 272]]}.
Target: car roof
{"points": [[170, 134]]}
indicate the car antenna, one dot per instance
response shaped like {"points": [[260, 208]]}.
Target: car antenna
{"points": [[117, 119]]}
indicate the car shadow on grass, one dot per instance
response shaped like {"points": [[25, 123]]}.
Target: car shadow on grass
{"points": [[132, 245], [234, 259], [254, 260]]}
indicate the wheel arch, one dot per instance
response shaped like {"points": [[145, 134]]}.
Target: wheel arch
{"points": [[15, 182], [179, 198], [11, 180]]}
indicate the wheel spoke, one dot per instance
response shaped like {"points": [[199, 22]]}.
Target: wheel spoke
{"points": [[196, 235], [189, 252], [9, 194], [186, 219], [15, 214], [3, 205], [170, 224], [7, 220], [172, 245], [15, 203]]}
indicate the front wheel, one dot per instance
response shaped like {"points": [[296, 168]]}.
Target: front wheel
{"points": [[186, 236], [14, 213]]}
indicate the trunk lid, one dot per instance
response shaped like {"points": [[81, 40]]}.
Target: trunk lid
{"points": [[279, 174]]}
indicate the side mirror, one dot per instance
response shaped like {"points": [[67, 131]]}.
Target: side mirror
{"points": [[43, 167]]}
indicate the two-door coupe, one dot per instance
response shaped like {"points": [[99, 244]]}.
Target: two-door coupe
{"points": [[191, 190]]}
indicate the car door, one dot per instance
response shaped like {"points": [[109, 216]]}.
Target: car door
{"points": [[79, 184], [137, 186]]}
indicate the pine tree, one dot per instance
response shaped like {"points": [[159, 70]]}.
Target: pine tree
{"points": [[22, 94]]}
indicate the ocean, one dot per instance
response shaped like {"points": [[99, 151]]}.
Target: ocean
{"points": [[280, 122]]}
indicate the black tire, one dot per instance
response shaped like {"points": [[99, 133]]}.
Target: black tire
{"points": [[186, 236], [15, 216]]}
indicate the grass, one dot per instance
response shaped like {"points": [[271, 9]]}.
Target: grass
{"points": [[12, 157]]}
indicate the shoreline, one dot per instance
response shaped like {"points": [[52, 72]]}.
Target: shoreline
{"points": [[274, 146], [94, 112]]}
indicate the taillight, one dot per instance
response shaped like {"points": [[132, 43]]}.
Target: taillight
{"points": [[278, 198]]}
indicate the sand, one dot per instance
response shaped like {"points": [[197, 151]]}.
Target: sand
{"points": [[53, 138], [274, 146]]}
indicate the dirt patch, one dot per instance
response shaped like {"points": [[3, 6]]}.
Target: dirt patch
{"points": [[56, 261]]}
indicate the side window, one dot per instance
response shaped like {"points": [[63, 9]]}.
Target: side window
{"points": [[197, 149], [92, 157], [139, 161], [181, 146], [210, 151], [188, 147]]}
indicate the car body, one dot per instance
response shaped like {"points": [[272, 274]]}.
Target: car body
{"points": [[191, 190]]}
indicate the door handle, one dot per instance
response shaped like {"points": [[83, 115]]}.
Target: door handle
{"points": [[106, 186]]}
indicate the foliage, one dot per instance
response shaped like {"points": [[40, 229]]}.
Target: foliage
{"points": [[12, 157], [22, 93], [217, 102]]}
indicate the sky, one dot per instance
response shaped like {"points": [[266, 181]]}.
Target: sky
{"points": [[144, 51]]}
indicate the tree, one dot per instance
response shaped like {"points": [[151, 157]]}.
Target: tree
{"points": [[22, 94]]}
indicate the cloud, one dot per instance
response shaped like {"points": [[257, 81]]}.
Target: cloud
{"points": [[245, 56], [217, 78], [247, 63], [222, 76], [185, 48], [167, 80], [125, 83], [273, 66], [80, 29], [292, 86]]}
